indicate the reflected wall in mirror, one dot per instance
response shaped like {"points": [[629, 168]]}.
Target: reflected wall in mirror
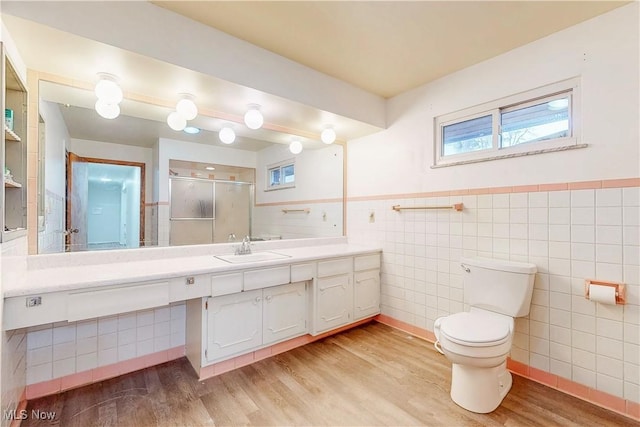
{"points": [[310, 205]]}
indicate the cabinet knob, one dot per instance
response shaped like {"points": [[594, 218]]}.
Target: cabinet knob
{"points": [[258, 299], [268, 298]]}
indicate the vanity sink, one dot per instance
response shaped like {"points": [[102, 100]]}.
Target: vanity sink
{"points": [[253, 257]]}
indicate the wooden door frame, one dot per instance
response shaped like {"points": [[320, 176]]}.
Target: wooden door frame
{"points": [[108, 162]]}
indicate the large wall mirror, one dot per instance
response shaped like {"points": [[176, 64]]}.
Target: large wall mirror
{"points": [[163, 186], [133, 182]]}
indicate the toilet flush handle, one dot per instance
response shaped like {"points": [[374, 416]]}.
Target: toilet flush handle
{"points": [[465, 268]]}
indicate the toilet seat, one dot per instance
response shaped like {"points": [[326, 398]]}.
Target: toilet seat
{"points": [[474, 329]]}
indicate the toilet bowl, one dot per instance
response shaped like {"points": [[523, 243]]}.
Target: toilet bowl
{"points": [[478, 341]]}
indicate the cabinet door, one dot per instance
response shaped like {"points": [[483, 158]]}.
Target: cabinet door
{"points": [[366, 294], [334, 302], [234, 324], [284, 312]]}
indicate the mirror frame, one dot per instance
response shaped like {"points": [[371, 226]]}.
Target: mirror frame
{"points": [[33, 84]]}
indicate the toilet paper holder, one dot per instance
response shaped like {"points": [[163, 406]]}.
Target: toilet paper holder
{"points": [[620, 289]]}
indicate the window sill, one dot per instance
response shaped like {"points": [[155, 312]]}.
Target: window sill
{"points": [[509, 156], [283, 187]]}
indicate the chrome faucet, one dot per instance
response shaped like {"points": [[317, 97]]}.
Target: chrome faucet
{"points": [[245, 247]]}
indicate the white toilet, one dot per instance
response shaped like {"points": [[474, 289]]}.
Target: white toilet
{"points": [[478, 342]]}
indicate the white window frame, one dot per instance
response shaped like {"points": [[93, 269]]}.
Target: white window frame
{"points": [[570, 87], [280, 165]]}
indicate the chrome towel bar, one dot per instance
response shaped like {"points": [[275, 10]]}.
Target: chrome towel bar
{"points": [[305, 210], [458, 207]]}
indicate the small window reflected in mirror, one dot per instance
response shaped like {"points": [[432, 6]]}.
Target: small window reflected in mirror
{"points": [[281, 175]]}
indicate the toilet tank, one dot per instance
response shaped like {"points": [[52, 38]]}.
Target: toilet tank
{"points": [[498, 285]]}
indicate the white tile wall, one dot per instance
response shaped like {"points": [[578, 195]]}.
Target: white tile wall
{"points": [[323, 220], [569, 235], [60, 349], [51, 236], [163, 225]]}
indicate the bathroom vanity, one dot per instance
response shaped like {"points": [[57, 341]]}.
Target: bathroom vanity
{"points": [[235, 304]]}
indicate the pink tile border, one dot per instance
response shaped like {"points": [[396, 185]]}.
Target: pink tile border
{"points": [[413, 330], [543, 377], [633, 409], [599, 398], [518, 367], [244, 360], [532, 188], [22, 406], [553, 187], [526, 188], [585, 185], [614, 183], [76, 380], [101, 373], [572, 388]]}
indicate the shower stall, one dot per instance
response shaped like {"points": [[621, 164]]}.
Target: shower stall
{"points": [[208, 211]]}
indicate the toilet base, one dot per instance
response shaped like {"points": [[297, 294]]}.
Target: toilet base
{"points": [[479, 390]]}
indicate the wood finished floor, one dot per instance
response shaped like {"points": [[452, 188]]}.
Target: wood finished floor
{"points": [[372, 375]]}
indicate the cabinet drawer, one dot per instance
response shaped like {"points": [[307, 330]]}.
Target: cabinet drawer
{"points": [[224, 284], [184, 288], [52, 307], [366, 262], [301, 272], [265, 277], [333, 267], [105, 302]]}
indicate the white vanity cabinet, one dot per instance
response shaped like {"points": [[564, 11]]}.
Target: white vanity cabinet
{"points": [[284, 312], [248, 310], [366, 288], [233, 324], [333, 296], [244, 321]]}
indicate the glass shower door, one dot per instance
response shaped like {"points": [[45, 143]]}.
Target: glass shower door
{"points": [[232, 210], [191, 211]]}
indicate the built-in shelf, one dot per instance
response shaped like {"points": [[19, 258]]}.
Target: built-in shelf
{"points": [[13, 153], [10, 135], [11, 184]]}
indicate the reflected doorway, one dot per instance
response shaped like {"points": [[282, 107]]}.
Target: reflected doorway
{"points": [[105, 204]]}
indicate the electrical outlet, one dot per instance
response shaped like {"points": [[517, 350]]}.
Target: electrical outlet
{"points": [[34, 301], [372, 216]]}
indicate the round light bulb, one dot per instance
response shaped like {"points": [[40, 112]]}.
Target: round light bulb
{"points": [[106, 110], [176, 121], [295, 147], [253, 118], [328, 136], [108, 91], [227, 135], [187, 108]]}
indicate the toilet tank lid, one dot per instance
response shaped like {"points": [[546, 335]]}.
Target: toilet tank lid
{"points": [[500, 264]]}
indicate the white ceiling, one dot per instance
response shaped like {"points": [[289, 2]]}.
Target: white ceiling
{"points": [[382, 47], [388, 47]]}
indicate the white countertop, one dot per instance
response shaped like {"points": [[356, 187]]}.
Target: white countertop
{"points": [[117, 270]]}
